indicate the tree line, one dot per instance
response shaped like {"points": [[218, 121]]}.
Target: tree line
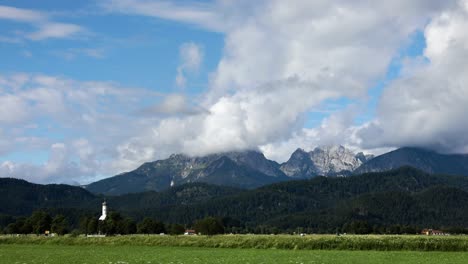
{"points": [[42, 223]]}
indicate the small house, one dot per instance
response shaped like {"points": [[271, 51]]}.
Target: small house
{"points": [[190, 232], [433, 232]]}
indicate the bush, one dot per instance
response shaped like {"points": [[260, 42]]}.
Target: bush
{"points": [[209, 226], [176, 229], [150, 226], [75, 233], [59, 225]]}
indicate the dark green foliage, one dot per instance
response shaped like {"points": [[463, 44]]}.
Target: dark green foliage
{"points": [[150, 226], [209, 226], [21, 198], [21, 226], [114, 224], [40, 222], [59, 225], [37, 223], [176, 229], [357, 227], [88, 225], [398, 201], [129, 226], [323, 204], [5, 220], [179, 195], [12, 228]]}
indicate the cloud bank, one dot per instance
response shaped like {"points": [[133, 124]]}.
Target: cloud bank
{"points": [[427, 106], [280, 61]]}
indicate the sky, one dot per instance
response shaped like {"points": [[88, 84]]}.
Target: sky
{"points": [[90, 89]]}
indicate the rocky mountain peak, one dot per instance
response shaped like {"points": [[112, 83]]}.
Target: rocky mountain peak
{"points": [[324, 160], [331, 160], [299, 153]]}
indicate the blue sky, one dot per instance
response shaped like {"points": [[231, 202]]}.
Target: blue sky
{"points": [[130, 51], [94, 88], [145, 49]]}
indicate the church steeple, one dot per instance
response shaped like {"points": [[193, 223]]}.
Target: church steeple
{"points": [[104, 212]]}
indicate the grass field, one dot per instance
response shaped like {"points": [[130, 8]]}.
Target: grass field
{"points": [[14, 253], [309, 242], [234, 249]]}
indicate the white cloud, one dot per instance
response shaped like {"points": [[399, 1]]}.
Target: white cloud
{"points": [[46, 28], [428, 106], [91, 116], [55, 30], [22, 15], [58, 168], [191, 57], [280, 61], [199, 14], [172, 105], [73, 53]]}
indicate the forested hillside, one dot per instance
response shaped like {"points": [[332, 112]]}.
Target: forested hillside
{"points": [[369, 202]]}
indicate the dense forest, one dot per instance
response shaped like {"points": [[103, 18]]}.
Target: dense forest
{"points": [[404, 200]]}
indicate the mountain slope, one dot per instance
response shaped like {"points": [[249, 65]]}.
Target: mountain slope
{"points": [[19, 197], [248, 169], [404, 196], [426, 160], [324, 161], [388, 198]]}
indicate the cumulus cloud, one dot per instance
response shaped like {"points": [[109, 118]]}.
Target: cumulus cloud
{"points": [[280, 61], [91, 116], [428, 105], [46, 28], [58, 168]]}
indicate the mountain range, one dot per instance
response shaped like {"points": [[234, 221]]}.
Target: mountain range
{"points": [[321, 190], [247, 169], [251, 169]]}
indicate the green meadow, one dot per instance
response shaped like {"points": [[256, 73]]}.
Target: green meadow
{"points": [[234, 249], [108, 254], [291, 242]]}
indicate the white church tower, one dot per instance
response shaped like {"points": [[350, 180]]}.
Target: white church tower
{"points": [[104, 212]]}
